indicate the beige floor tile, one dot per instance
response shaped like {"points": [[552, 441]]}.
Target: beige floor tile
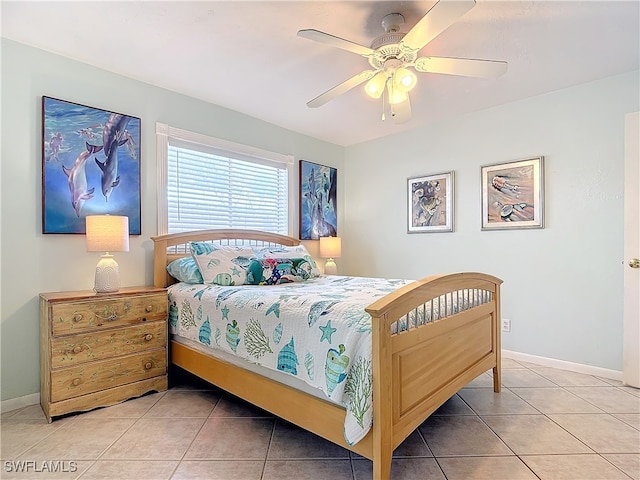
{"points": [[402, 469], [524, 378], [80, 439], [603, 433], [533, 435], [290, 441], [232, 438], [413, 446], [130, 469], [509, 363], [485, 401], [632, 390], [133, 408], [484, 380], [32, 412], [155, 439], [44, 470], [632, 419], [219, 470], [629, 463], [454, 406], [566, 378], [230, 406], [555, 400], [307, 470], [460, 436], [16, 436], [184, 403], [485, 468], [609, 399], [573, 467], [10, 413]]}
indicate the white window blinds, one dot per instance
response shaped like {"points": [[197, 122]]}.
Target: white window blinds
{"points": [[210, 186]]}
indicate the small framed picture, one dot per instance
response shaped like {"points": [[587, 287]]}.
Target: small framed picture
{"points": [[430, 203], [513, 195]]}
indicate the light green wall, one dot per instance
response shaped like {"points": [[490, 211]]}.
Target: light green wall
{"points": [[562, 284], [32, 262]]}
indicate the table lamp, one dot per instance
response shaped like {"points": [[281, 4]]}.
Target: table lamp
{"points": [[107, 233], [330, 248]]}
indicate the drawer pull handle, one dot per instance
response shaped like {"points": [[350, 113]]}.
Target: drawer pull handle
{"points": [[148, 308], [77, 317], [148, 365], [77, 349], [76, 382], [148, 337]]}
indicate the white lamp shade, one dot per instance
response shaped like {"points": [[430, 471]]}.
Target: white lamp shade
{"points": [[107, 233], [330, 247]]}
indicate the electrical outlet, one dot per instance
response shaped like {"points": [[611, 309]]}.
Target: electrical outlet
{"points": [[506, 325]]}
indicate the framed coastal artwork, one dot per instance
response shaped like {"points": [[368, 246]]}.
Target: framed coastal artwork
{"points": [[90, 166], [318, 208], [430, 203], [513, 195]]}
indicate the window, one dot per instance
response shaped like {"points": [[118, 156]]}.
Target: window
{"points": [[206, 182]]}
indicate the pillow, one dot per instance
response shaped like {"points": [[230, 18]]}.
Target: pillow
{"points": [[185, 270], [299, 251], [222, 264], [274, 271]]}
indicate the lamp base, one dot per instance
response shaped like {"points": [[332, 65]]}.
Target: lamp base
{"points": [[330, 268], [107, 275]]}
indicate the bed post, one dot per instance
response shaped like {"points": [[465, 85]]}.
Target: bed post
{"points": [[160, 275], [497, 380], [382, 397]]}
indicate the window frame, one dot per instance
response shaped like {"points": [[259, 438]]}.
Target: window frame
{"points": [[165, 132]]}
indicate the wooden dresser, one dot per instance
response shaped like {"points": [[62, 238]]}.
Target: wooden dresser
{"points": [[101, 349]]}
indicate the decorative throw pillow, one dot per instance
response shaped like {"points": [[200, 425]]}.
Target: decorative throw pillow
{"points": [[185, 270], [222, 264], [298, 251], [274, 271]]}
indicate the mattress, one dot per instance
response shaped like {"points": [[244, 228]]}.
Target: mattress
{"points": [[313, 335]]}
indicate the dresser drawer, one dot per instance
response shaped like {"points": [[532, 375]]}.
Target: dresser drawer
{"points": [[93, 377], [75, 349], [84, 316]]}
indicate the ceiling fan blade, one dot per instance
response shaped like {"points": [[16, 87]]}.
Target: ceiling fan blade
{"points": [[328, 39], [435, 21], [467, 67], [401, 112], [341, 88]]}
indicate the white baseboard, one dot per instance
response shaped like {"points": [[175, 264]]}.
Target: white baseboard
{"points": [[15, 403], [564, 365], [34, 398]]}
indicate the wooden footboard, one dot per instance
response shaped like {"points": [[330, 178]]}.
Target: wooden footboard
{"points": [[415, 370]]}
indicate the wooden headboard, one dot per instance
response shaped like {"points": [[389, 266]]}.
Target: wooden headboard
{"points": [[167, 248]]}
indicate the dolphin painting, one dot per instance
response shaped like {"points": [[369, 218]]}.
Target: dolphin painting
{"points": [[109, 167], [78, 178], [114, 129]]}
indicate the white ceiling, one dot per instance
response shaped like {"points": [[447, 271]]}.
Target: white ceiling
{"points": [[246, 56]]}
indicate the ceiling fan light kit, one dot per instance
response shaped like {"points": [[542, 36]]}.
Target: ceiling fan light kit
{"points": [[393, 55]]}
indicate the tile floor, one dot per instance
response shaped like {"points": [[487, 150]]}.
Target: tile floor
{"points": [[546, 424]]}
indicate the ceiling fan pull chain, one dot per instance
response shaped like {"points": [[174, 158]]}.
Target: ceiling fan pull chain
{"points": [[383, 119]]}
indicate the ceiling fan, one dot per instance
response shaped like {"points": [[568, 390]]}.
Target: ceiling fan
{"points": [[393, 55]]}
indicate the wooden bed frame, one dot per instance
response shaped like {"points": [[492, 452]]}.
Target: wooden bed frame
{"points": [[414, 372]]}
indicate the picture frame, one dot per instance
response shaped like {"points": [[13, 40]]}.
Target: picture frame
{"points": [[513, 195], [80, 176], [430, 203], [318, 197]]}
